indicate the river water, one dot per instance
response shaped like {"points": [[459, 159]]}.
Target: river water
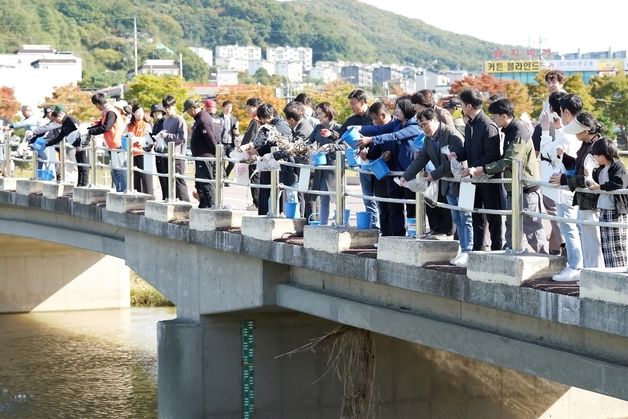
{"points": [[81, 364]]}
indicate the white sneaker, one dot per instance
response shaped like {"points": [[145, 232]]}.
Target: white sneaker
{"points": [[461, 260], [567, 275]]}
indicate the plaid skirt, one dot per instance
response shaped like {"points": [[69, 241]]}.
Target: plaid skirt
{"points": [[613, 239]]}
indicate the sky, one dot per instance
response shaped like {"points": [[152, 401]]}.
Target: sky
{"points": [[594, 26]]}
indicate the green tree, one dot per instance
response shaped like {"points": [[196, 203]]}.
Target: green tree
{"points": [[194, 68], [575, 85], [335, 93], [149, 89], [611, 95]]}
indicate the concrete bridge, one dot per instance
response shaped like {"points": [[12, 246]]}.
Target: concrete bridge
{"points": [[445, 345]]}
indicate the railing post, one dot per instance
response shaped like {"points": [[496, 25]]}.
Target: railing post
{"points": [[172, 193], [62, 161], [35, 154], [94, 165], [218, 168], [7, 154], [129, 164], [420, 210], [340, 188], [516, 222], [274, 186]]}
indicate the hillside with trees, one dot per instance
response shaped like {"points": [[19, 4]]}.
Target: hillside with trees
{"points": [[102, 33]]}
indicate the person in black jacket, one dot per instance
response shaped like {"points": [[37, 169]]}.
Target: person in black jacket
{"points": [[205, 136], [610, 176], [70, 124], [481, 147], [157, 112]]}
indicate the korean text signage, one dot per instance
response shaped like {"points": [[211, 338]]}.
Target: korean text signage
{"points": [[513, 66]]}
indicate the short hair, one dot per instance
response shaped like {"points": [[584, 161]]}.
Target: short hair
{"points": [[327, 109], [99, 99], [496, 96], [304, 99], [358, 94], [226, 103], [427, 114], [424, 98], [405, 106], [472, 96], [502, 107], [265, 111], [56, 114], [26, 108], [294, 110], [605, 147], [168, 101], [377, 108], [554, 101], [254, 102], [572, 103], [555, 75], [588, 121]]}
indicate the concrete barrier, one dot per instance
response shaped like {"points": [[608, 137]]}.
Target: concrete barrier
{"points": [[209, 219], [610, 285], [27, 186], [9, 183], [122, 202], [267, 228], [512, 268], [415, 252], [337, 240], [53, 190], [87, 195], [166, 212]]}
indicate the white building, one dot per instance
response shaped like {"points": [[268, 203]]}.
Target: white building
{"points": [[324, 74], [235, 57], [34, 71], [255, 65], [160, 68], [226, 77], [300, 55], [205, 54], [290, 70]]}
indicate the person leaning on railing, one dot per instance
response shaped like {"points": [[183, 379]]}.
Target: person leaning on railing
{"points": [[611, 176], [518, 145]]}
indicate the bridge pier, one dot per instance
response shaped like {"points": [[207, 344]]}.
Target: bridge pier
{"points": [[43, 276]]}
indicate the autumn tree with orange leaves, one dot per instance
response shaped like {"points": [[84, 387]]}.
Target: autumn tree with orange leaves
{"points": [[8, 103], [238, 95], [490, 85]]}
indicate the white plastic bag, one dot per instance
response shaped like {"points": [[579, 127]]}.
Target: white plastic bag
{"points": [[431, 194], [590, 164], [242, 173]]}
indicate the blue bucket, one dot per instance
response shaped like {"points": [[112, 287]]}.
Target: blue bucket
{"points": [[39, 144], [319, 159], [363, 220], [418, 142], [291, 209], [351, 136], [44, 174], [411, 230], [352, 158], [379, 168], [123, 142], [313, 222]]}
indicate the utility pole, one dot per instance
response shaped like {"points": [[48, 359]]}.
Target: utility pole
{"points": [[135, 41]]}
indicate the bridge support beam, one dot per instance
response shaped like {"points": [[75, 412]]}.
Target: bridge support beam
{"points": [[42, 276]]}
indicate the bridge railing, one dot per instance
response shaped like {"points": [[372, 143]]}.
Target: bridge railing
{"points": [[517, 182]]}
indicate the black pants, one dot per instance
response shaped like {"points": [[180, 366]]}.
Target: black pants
{"points": [[180, 185], [439, 218], [228, 148], [83, 171], [254, 181], [488, 196], [206, 191], [141, 182]]}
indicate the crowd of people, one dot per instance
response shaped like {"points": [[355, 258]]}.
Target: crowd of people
{"points": [[565, 147]]}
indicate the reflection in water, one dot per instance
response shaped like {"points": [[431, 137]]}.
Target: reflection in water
{"points": [[88, 364]]}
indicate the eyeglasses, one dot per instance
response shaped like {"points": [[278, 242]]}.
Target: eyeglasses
{"points": [[424, 124]]}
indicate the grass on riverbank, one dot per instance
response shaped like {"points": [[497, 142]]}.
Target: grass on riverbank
{"points": [[144, 295]]}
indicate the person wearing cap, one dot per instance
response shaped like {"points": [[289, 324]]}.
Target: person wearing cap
{"points": [[205, 135], [111, 126], [69, 124], [587, 130], [175, 130]]}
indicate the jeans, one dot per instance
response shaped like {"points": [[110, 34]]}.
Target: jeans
{"points": [[366, 182], [464, 225], [590, 240], [118, 176], [571, 235]]}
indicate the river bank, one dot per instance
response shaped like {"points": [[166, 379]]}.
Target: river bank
{"points": [[144, 295]]}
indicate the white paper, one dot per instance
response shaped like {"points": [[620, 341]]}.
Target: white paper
{"points": [[466, 198], [304, 180]]}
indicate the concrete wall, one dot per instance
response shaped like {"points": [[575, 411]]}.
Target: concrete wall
{"points": [[43, 276], [411, 381]]}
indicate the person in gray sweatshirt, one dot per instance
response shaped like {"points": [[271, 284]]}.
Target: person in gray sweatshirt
{"points": [[175, 130]]}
